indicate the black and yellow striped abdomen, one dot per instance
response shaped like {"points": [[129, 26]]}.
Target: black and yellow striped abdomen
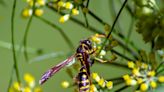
{"points": [[84, 82]]}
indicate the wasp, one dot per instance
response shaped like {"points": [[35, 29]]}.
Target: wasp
{"points": [[83, 80], [83, 53]]}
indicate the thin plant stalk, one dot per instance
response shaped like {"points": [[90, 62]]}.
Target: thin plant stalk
{"points": [[122, 55], [122, 88], [85, 16], [158, 67], [13, 42], [27, 31], [114, 23], [11, 78]]}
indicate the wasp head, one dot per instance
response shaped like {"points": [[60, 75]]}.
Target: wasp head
{"points": [[86, 45]]}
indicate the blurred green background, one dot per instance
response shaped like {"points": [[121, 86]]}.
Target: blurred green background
{"points": [[44, 37]]}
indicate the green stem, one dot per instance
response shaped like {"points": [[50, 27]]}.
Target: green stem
{"points": [[13, 42], [161, 64], [11, 78], [116, 64], [87, 3], [96, 17], [162, 70], [129, 9], [128, 37], [114, 79], [85, 17], [117, 82], [130, 31], [112, 63], [113, 25], [134, 54], [66, 38], [122, 88], [27, 31], [122, 55], [112, 4], [25, 38], [85, 13]]}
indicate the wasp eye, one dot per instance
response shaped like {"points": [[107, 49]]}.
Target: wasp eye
{"points": [[89, 42]]}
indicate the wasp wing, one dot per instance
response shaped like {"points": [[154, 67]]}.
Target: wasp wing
{"points": [[55, 69]]}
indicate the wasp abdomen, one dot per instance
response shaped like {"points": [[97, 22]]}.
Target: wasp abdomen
{"points": [[84, 83]]}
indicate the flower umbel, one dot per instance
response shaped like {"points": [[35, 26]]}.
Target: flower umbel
{"points": [[102, 82], [142, 75], [38, 9], [29, 85]]}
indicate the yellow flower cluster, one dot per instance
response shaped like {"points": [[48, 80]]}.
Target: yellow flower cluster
{"points": [[67, 6], [38, 11], [143, 75], [102, 82], [28, 87], [97, 40]]}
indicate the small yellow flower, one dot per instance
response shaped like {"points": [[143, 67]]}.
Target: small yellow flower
{"points": [[131, 82], [68, 5], [96, 39], [126, 77], [64, 18], [39, 12], [139, 80], [65, 84], [17, 86], [153, 84], [143, 87], [131, 64], [41, 2], [29, 79], [151, 73], [75, 11], [61, 4], [27, 89], [128, 82], [93, 88], [37, 89], [30, 2], [27, 12], [11, 89], [102, 82], [109, 84], [96, 77], [161, 78], [135, 71]]}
